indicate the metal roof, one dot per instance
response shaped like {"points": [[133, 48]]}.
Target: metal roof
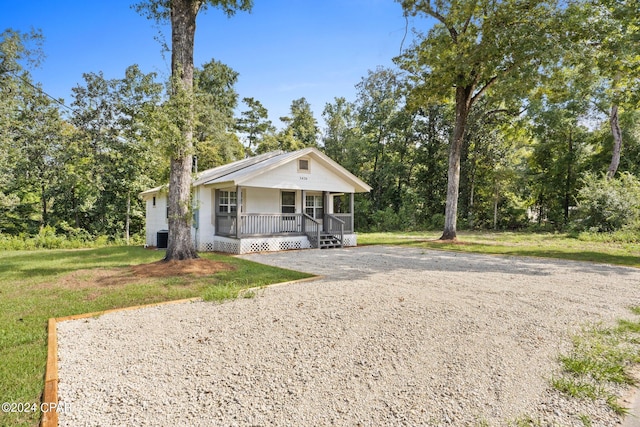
{"points": [[236, 173]]}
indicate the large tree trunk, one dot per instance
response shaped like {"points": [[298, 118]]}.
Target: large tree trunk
{"points": [[183, 29], [567, 187], [43, 199], [127, 220], [463, 104], [617, 142]]}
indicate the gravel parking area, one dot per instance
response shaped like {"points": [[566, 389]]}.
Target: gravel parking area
{"points": [[391, 336]]}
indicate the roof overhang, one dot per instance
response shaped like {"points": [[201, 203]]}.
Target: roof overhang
{"points": [[246, 175]]}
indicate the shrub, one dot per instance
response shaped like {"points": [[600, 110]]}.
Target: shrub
{"points": [[608, 205]]}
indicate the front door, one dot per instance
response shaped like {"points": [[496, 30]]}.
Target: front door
{"points": [[314, 206]]}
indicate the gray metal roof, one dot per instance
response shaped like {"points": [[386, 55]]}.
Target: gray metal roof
{"points": [[242, 170]]}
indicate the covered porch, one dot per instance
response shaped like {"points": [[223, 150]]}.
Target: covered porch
{"points": [[325, 219]]}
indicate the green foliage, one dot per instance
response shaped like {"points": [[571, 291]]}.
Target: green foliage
{"points": [[216, 99], [254, 123], [608, 205], [601, 357], [160, 10], [534, 74], [110, 156], [557, 159], [476, 49]]}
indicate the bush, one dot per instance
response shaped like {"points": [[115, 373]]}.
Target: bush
{"points": [[608, 205], [621, 236], [73, 238], [437, 222]]}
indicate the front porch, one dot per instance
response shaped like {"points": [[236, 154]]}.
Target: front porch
{"points": [[330, 231], [284, 242], [290, 219]]}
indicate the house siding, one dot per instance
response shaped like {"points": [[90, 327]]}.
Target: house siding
{"points": [[262, 200], [262, 181], [287, 176], [156, 217]]}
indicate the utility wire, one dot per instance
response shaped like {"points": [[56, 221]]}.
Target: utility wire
{"points": [[57, 101]]}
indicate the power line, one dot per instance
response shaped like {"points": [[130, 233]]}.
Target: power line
{"points": [[57, 101]]}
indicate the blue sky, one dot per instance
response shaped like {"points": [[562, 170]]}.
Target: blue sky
{"points": [[283, 49]]}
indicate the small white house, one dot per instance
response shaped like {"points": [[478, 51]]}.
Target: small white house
{"points": [[271, 202]]}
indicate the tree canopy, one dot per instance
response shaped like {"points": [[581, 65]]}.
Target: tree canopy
{"points": [[506, 114]]}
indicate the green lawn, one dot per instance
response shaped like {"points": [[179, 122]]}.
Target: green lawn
{"points": [[544, 245], [32, 291]]}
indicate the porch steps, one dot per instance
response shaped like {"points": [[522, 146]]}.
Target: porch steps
{"points": [[328, 241]]}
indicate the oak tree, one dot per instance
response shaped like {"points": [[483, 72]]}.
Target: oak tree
{"points": [[475, 46], [182, 14]]}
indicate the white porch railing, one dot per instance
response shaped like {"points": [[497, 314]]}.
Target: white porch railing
{"points": [[259, 224], [281, 224]]}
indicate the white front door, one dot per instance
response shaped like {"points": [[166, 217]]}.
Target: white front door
{"points": [[314, 206]]}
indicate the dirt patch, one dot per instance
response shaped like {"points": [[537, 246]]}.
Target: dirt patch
{"points": [[105, 277], [194, 267]]}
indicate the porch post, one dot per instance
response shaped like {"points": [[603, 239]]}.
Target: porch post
{"points": [[238, 212], [214, 214], [353, 225], [325, 208], [304, 204]]}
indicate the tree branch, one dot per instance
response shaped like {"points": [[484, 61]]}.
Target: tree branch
{"points": [[490, 83], [430, 11]]}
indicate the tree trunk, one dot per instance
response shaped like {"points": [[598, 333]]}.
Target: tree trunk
{"points": [[472, 190], [44, 205], [496, 199], [76, 215], [463, 104], [183, 28], [617, 142], [127, 219], [567, 189]]}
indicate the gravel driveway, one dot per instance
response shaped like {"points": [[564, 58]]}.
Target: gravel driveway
{"points": [[391, 336]]}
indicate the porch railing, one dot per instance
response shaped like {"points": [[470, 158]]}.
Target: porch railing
{"points": [[226, 224], [259, 224], [312, 229], [281, 224], [334, 226], [347, 218]]}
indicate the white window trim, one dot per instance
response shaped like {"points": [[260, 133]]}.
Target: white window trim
{"points": [[316, 197], [308, 169]]}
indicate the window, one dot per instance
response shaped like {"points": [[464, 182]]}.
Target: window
{"points": [[288, 202], [303, 165], [313, 206], [154, 201], [228, 202]]}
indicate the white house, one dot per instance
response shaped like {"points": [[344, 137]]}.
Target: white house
{"points": [[271, 202]]}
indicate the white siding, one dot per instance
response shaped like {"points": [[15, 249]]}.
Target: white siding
{"points": [[262, 200], [156, 217], [203, 202], [287, 176]]}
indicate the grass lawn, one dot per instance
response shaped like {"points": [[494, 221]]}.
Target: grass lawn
{"points": [[545, 245], [37, 285]]}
